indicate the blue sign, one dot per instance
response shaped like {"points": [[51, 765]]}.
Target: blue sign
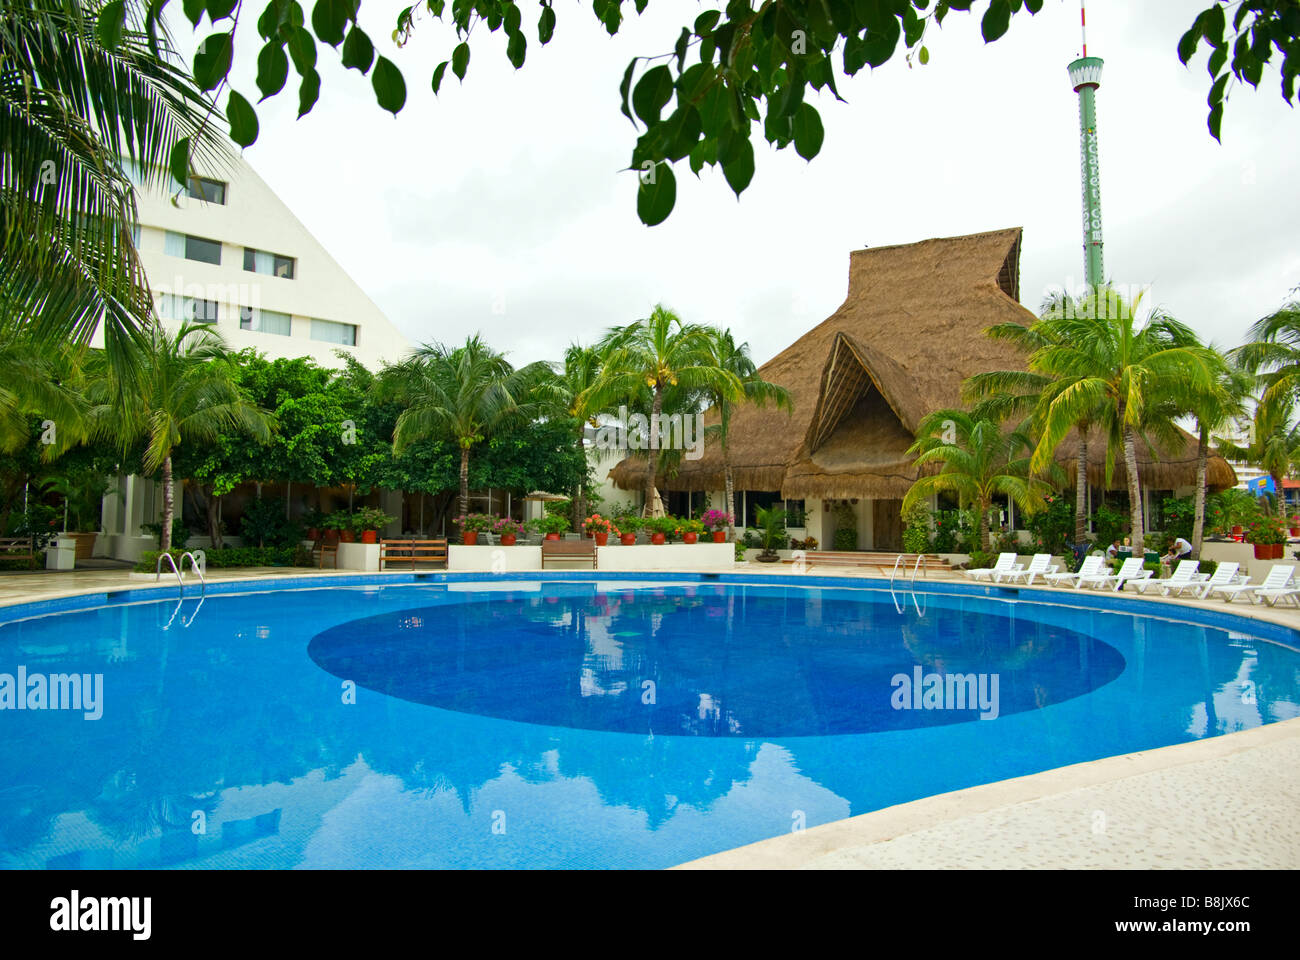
{"points": [[1261, 485]]}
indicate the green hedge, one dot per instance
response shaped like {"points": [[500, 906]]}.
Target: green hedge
{"points": [[235, 557]]}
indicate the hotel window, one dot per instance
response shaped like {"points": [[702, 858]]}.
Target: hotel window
{"points": [[192, 248], [173, 306], [265, 321], [210, 191], [271, 264], [328, 331]]}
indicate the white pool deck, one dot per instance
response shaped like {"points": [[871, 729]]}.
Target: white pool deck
{"points": [[1227, 802]]}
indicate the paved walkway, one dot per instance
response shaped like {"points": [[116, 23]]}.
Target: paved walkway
{"points": [[1226, 802]]}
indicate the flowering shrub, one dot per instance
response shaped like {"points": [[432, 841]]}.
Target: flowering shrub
{"points": [[598, 524], [716, 519], [476, 522], [685, 525], [1266, 529], [508, 527]]}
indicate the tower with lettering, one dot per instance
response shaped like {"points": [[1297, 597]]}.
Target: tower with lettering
{"points": [[1085, 75]]}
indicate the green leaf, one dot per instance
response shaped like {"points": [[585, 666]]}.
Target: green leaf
{"points": [[1189, 42], [328, 18], [654, 201], [179, 161], [653, 90], [516, 48], [625, 89], [739, 170], [193, 10], [220, 9], [460, 60], [272, 69], [212, 61], [243, 120], [511, 19], [706, 21], [996, 20], [546, 25], [308, 92], [111, 24], [390, 88], [358, 51], [302, 48], [808, 132], [438, 72], [924, 56]]}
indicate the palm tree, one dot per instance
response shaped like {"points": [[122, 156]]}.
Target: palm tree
{"points": [[1273, 353], [182, 388], [734, 358], [657, 353], [1213, 410], [1106, 365], [74, 101], [568, 394], [1014, 393], [1274, 444], [980, 461], [463, 392]]}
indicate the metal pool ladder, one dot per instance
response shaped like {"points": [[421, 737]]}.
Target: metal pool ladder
{"points": [[180, 583], [918, 566]]}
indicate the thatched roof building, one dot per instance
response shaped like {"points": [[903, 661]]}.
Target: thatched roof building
{"points": [[909, 332]]}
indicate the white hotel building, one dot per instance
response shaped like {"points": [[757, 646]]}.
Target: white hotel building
{"points": [[227, 251]]}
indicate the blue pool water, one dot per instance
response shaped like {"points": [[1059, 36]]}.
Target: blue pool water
{"points": [[577, 722]]}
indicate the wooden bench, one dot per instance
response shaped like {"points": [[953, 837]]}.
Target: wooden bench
{"points": [[19, 548], [412, 552], [324, 548], [569, 550]]}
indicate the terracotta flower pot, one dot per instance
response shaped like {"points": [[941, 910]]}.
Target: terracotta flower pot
{"points": [[508, 539], [627, 539], [552, 536], [470, 538], [1263, 551], [1236, 530], [690, 537], [657, 538], [719, 536], [331, 536], [369, 536], [347, 536], [1278, 550], [313, 533], [602, 539], [1295, 531]]}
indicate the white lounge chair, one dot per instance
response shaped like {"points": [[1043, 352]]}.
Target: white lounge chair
{"points": [[1225, 574], [1279, 578], [1090, 566], [1131, 569], [1040, 565], [1185, 575], [1272, 593], [1006, 563]]}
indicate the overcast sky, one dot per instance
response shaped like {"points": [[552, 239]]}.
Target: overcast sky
{"points": [[500, 207]]}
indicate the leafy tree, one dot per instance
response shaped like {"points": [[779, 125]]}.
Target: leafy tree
{"points": [[1272, 352], [980, 460], [1274, 444], [727, 71], [568, 395], [182, 389]]}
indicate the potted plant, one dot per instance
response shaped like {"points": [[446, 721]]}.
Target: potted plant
{"points": [[1268, 536], [1295, 525], [471, 525], [313, 519], [600, 528], [550, 524], [717, 521], [508, 529], [368, 521], [339, 524], [660, 528], [771, 533], [689, 529], [628, 527]]}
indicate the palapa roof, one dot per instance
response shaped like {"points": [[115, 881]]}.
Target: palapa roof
{"points": [[909, 332]]}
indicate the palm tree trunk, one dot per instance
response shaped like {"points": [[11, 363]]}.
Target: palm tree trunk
{"points": [[1081, 489], [1279, 497], [655, 409], [464, 481], [1198, 503], [212, 510], [1134, 492], [729, 486], [169, 505], [986, 543]]}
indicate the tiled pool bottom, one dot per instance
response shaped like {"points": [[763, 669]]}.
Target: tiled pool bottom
{"points": [[503, 724]]}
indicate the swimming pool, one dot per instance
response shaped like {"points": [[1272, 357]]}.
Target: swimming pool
{"points": [[584, 720]]}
